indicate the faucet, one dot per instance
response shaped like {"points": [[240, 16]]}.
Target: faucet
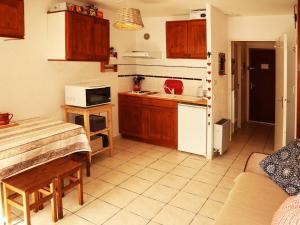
{"points": [[171, 90]]}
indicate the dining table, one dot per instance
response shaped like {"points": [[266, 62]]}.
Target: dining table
{"points": [[33, 142]]}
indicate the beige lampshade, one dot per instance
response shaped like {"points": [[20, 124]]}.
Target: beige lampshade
{"points": [[129, 19]]}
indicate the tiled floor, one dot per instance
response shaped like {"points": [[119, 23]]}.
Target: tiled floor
{"points": [[146, 184]]}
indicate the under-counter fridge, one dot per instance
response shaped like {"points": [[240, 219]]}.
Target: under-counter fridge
{"points": [[192, 133]]}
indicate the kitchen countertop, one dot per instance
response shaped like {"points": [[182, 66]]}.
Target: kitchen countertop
{"points": [[170, 97]]}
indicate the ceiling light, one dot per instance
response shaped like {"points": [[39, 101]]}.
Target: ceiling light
{"points": [[129, 19]]}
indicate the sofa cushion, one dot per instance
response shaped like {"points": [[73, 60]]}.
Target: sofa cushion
{"points": [[283, 167], [288, 213], [253, 201]]}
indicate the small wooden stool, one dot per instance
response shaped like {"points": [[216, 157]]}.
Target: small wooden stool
{"points": [[34, 181], [64, 169]]}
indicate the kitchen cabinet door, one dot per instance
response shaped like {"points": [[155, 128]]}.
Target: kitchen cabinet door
{"points": [[79, 37], [197, 39], [177, 39], [101, 39], [162, 126], [12, 18], [130, 120]]}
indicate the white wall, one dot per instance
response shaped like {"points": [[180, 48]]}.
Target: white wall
{"points": [[31, 85], [270, 28], [217, 43]]}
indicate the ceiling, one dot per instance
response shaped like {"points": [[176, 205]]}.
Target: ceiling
{"points": [[182, 7]]}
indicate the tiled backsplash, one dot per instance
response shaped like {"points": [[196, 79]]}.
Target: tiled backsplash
{"points": [[156, 83]]}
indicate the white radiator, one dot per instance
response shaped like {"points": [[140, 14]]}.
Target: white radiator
{"points": [[222, 136]]}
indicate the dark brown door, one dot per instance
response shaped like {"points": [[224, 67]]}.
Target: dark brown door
{"points": [[197, 39], [79, 36], [101, 39], [262, 85], [12, 18], [177, 39]]}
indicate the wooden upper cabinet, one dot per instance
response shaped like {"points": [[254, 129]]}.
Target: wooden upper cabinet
{"points": [[79, 31], [186, 39], [77, 37], [101, 38], [177, 39], [12, 18], [197, 39]]}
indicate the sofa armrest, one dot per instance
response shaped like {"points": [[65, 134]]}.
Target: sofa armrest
{"points": [[252, 164]]}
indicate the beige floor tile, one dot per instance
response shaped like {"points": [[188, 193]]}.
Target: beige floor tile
{"points": [[162, 166], [119, 197], [193, 163], [153, 223], [136, 185], [202, 220], [97, 188], [215, 168], [161, 193], [137, 149], [219, 194], [125, 155], [70, 201], [145, 207], [171, 215], [184, 171], [188, 201], [111, 162], [87, 179], [223, 161], [155, 154], [211, 209], [163, 149], [97, 212], [130, 168], [73, 219], [97, 171], [226, 182], [208, 177], [198, 188], [114, 177], [41, 217], [142, 160], [150, 174], [175, 157], [126, 218], [233, 173], [173, 181]]}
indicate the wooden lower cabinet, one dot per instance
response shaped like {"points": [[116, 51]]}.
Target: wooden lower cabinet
{"points": [[153, 121]]}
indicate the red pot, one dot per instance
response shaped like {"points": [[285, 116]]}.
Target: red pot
{"points": [[5, 118]]}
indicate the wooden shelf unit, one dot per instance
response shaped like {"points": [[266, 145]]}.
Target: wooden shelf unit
{"points": [[86, 112]]}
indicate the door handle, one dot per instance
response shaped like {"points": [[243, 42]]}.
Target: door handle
{"points": [[251, 68], [252, 85]]}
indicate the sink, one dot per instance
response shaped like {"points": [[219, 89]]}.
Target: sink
{"points": [[139, 92]]}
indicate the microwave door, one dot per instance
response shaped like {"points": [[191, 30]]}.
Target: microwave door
{"points": [[97, 96]]}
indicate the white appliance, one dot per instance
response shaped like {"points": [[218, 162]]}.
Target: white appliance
{"points": [[192, 120], [143, 54], [85, 95], [222, 136], [198, 14]]}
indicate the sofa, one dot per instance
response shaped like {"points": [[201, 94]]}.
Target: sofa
{"points": [[254, 198]]}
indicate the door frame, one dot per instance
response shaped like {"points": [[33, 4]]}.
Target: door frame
{"points": [[230, 43]]}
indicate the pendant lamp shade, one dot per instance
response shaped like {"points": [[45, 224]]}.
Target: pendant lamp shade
{"points": [[129, 19]]}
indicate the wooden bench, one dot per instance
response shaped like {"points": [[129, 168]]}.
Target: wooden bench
{"points": [[65, 169], [31, 182]]}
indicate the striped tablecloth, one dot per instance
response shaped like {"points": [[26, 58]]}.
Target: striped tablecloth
{"points": [[37, 141]]}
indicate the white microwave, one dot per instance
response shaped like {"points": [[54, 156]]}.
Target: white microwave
{"points": [[87, 96]]}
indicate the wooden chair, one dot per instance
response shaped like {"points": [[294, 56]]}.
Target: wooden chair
{"points": [[65, 169], [31, 182]]}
